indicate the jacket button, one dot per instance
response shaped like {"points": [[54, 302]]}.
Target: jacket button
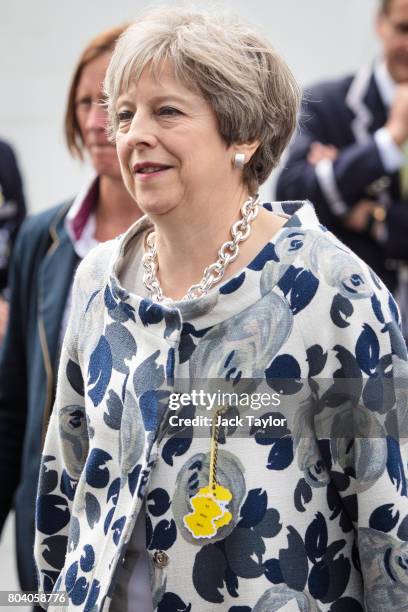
{"points": [[160, 558]]}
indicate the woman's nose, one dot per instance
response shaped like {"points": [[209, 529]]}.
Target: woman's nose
{"points": [[141, 132], [97, 117]]}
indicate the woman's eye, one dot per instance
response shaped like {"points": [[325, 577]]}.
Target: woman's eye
{"points": [[85, 102], [168, 111], [124, 116]]}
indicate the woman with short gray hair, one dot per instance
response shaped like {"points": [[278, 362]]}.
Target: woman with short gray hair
{"points": [[162, 503], [248, 86]]}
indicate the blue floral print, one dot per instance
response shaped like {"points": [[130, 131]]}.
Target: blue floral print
{"points": [[319, 509]]}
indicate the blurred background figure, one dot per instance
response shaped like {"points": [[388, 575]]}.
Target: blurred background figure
{"points": [[12, 213], [350, 156], [47, 252]]}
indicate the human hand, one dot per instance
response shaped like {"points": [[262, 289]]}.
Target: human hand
{"points": [[4, 310], [319, 151], [359, 215], [397, 123]]}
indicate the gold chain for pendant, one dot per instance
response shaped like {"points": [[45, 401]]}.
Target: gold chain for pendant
{"points": [[215, 429]]}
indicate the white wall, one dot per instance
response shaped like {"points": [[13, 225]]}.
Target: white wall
{"points": [[41, 41]]}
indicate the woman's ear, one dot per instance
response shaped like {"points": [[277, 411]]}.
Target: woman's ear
{"points": [[246, 149]]}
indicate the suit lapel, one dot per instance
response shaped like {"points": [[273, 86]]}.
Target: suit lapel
{"points": [[364, 101], [374, 102], [370, 114]]}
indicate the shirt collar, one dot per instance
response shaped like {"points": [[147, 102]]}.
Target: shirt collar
{"points": [[385, 83], [80, 220]]}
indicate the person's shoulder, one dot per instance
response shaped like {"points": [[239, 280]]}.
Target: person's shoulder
{"points": [[353, 300], [6, 151], [307, 244], [90, 282], [337, 265], [103, 257], [43, 220], [337, 298], [36, 227], [94, 268]]}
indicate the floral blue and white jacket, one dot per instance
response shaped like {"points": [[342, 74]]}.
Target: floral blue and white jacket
{"points": [[319, 512]]}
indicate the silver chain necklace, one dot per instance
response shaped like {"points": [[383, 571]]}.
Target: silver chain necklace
{"points": [[228, 253]]}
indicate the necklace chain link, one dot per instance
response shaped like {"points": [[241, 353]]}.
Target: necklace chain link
{"points": [[213, 273]]}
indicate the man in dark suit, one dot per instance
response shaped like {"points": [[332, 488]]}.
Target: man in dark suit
{"points": [[348, 157], [12, 213]]}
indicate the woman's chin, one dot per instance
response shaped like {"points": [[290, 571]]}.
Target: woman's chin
{"points": [[154, 208], [107, 169]]}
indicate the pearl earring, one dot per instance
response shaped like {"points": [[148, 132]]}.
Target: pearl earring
{"points": [[239, 161]]}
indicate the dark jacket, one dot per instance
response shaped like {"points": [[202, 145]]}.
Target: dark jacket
{"points": [[346, 113], [12, 206], [41, 272]]}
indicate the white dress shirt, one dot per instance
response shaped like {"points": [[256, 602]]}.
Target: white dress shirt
{"points": [[391, 156]]}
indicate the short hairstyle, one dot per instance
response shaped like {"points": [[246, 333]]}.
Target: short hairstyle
{"points": [[250, 88], [99, 45]]}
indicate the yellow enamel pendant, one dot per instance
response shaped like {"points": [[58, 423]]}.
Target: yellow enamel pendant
{"points": [[209, 504]]}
